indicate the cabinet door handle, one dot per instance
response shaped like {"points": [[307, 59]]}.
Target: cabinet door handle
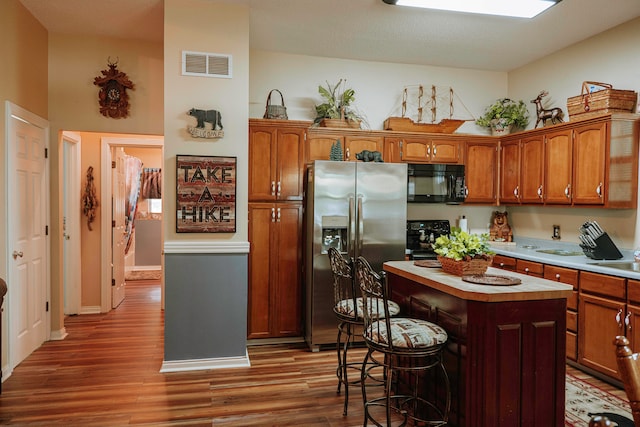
{"points": [[526, 270], [567, 191], [599, 190], [540, 191], [348, 152], [516, 191], [273, 214], [273, 188], [619, 318], [428, 151], [434, 152], [278, 217], [558, 276], [501, 264], [279, 189], [627, 321]]}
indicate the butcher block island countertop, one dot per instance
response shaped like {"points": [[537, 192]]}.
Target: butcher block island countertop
{"points": [[530, 288], [505, 355]]}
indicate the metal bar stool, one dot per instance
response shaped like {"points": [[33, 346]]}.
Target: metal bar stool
{"points": [[348, 309], [409, 351]]}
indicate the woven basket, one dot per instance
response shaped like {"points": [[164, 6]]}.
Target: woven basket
{"points": [[273, 111], [464, 268], [605, 101]]}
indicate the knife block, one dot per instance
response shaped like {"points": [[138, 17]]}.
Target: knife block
{"points": [[604, 249]]}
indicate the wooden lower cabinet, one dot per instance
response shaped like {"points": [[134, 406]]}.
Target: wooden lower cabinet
{"points": [[504, 262], [497, 355], [602, 309], [530, 268], [275, 285], [570, 277]]}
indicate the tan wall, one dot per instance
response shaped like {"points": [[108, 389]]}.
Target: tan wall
{"points": [[204, 26], [23, 47], [73, 64], [609, 57]]}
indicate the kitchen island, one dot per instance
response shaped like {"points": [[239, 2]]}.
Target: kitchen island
{"points": [[506, 351]]}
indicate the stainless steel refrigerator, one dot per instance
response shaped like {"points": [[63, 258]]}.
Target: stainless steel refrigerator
{"points": [[359, 208]]}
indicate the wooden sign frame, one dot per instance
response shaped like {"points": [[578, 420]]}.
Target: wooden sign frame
{"points": [[205, 194]]}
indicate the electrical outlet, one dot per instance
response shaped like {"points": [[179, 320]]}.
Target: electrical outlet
{"points": [[556, 232]]}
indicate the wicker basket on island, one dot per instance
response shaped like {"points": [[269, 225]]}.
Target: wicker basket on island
{"points": [[463, 254]]}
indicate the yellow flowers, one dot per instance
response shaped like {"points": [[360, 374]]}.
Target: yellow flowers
{"points": [[460, 245]]}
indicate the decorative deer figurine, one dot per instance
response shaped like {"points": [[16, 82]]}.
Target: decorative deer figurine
{"points": [[555, 114]]}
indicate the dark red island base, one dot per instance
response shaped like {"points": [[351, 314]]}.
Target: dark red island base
{"points": [[506, 351]]}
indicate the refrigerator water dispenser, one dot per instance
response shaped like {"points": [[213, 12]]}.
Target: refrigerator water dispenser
{"points": [[334, 233]]}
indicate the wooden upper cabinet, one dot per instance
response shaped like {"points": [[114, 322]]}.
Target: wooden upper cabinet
{"points": [[558, 167], [356, 144], [481, 166], [590, 148], [446, 151], [532, 170], [510, 171], [276, 160], [424, 150], [319, 145]]}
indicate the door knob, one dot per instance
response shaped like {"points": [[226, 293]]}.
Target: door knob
{"points": [[17, 254]]}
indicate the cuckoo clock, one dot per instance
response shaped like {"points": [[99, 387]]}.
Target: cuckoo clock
{"points": [[113, 97]]}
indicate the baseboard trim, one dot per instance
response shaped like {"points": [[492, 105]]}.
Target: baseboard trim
{"points": [[205, 364], [90, 309], [58, 335]]}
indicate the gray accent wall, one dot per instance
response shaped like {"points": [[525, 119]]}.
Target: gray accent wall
{"points": [[205, 306]]}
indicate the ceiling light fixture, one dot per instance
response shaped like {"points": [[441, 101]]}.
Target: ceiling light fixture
{"points": [[514, 8]]}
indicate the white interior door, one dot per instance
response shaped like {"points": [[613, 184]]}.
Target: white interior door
{"points": [[118, 221], [28, 189], [72, 258]]}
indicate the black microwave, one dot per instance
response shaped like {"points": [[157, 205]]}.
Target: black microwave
{"points": [[436, 183]]}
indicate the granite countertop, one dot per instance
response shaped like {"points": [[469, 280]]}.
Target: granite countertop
{"points": [[530, 288], [527, 249]]}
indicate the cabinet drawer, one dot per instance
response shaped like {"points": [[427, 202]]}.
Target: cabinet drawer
{"points": [[504, 262], [604, 285], [572, 320], [562, 275], [572, 346], [633, 291], [572, 301], [529, 267]]}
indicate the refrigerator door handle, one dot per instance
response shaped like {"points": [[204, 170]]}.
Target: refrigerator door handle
{"points": [[351, 238], [360, 225]]}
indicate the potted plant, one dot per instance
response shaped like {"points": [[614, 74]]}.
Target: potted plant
{"points": [[503, 115], [463, 253], [337, 110]]}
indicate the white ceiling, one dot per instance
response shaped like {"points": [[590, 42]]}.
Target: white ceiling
{"points": [[363, 29]]}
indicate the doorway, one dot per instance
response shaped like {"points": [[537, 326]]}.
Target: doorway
{"points": [[71, 234], [108, 144]]}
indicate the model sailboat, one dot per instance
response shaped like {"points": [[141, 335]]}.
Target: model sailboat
{"points": [[445, 125]]}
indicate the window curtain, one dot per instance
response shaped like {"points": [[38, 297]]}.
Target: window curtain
{"points": [[151, 183]]}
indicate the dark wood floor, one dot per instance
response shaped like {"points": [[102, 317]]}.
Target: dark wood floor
{"points": [[106, 373]]}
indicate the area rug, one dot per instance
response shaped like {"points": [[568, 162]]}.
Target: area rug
{"points": [[146, 274], [584, 399]]}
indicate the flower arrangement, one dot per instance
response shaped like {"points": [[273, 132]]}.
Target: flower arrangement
{"points": [[463, 246], [505, 110], [338, 103]]}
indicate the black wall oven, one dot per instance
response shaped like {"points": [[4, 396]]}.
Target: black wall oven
{"points": [[436, 183]]}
